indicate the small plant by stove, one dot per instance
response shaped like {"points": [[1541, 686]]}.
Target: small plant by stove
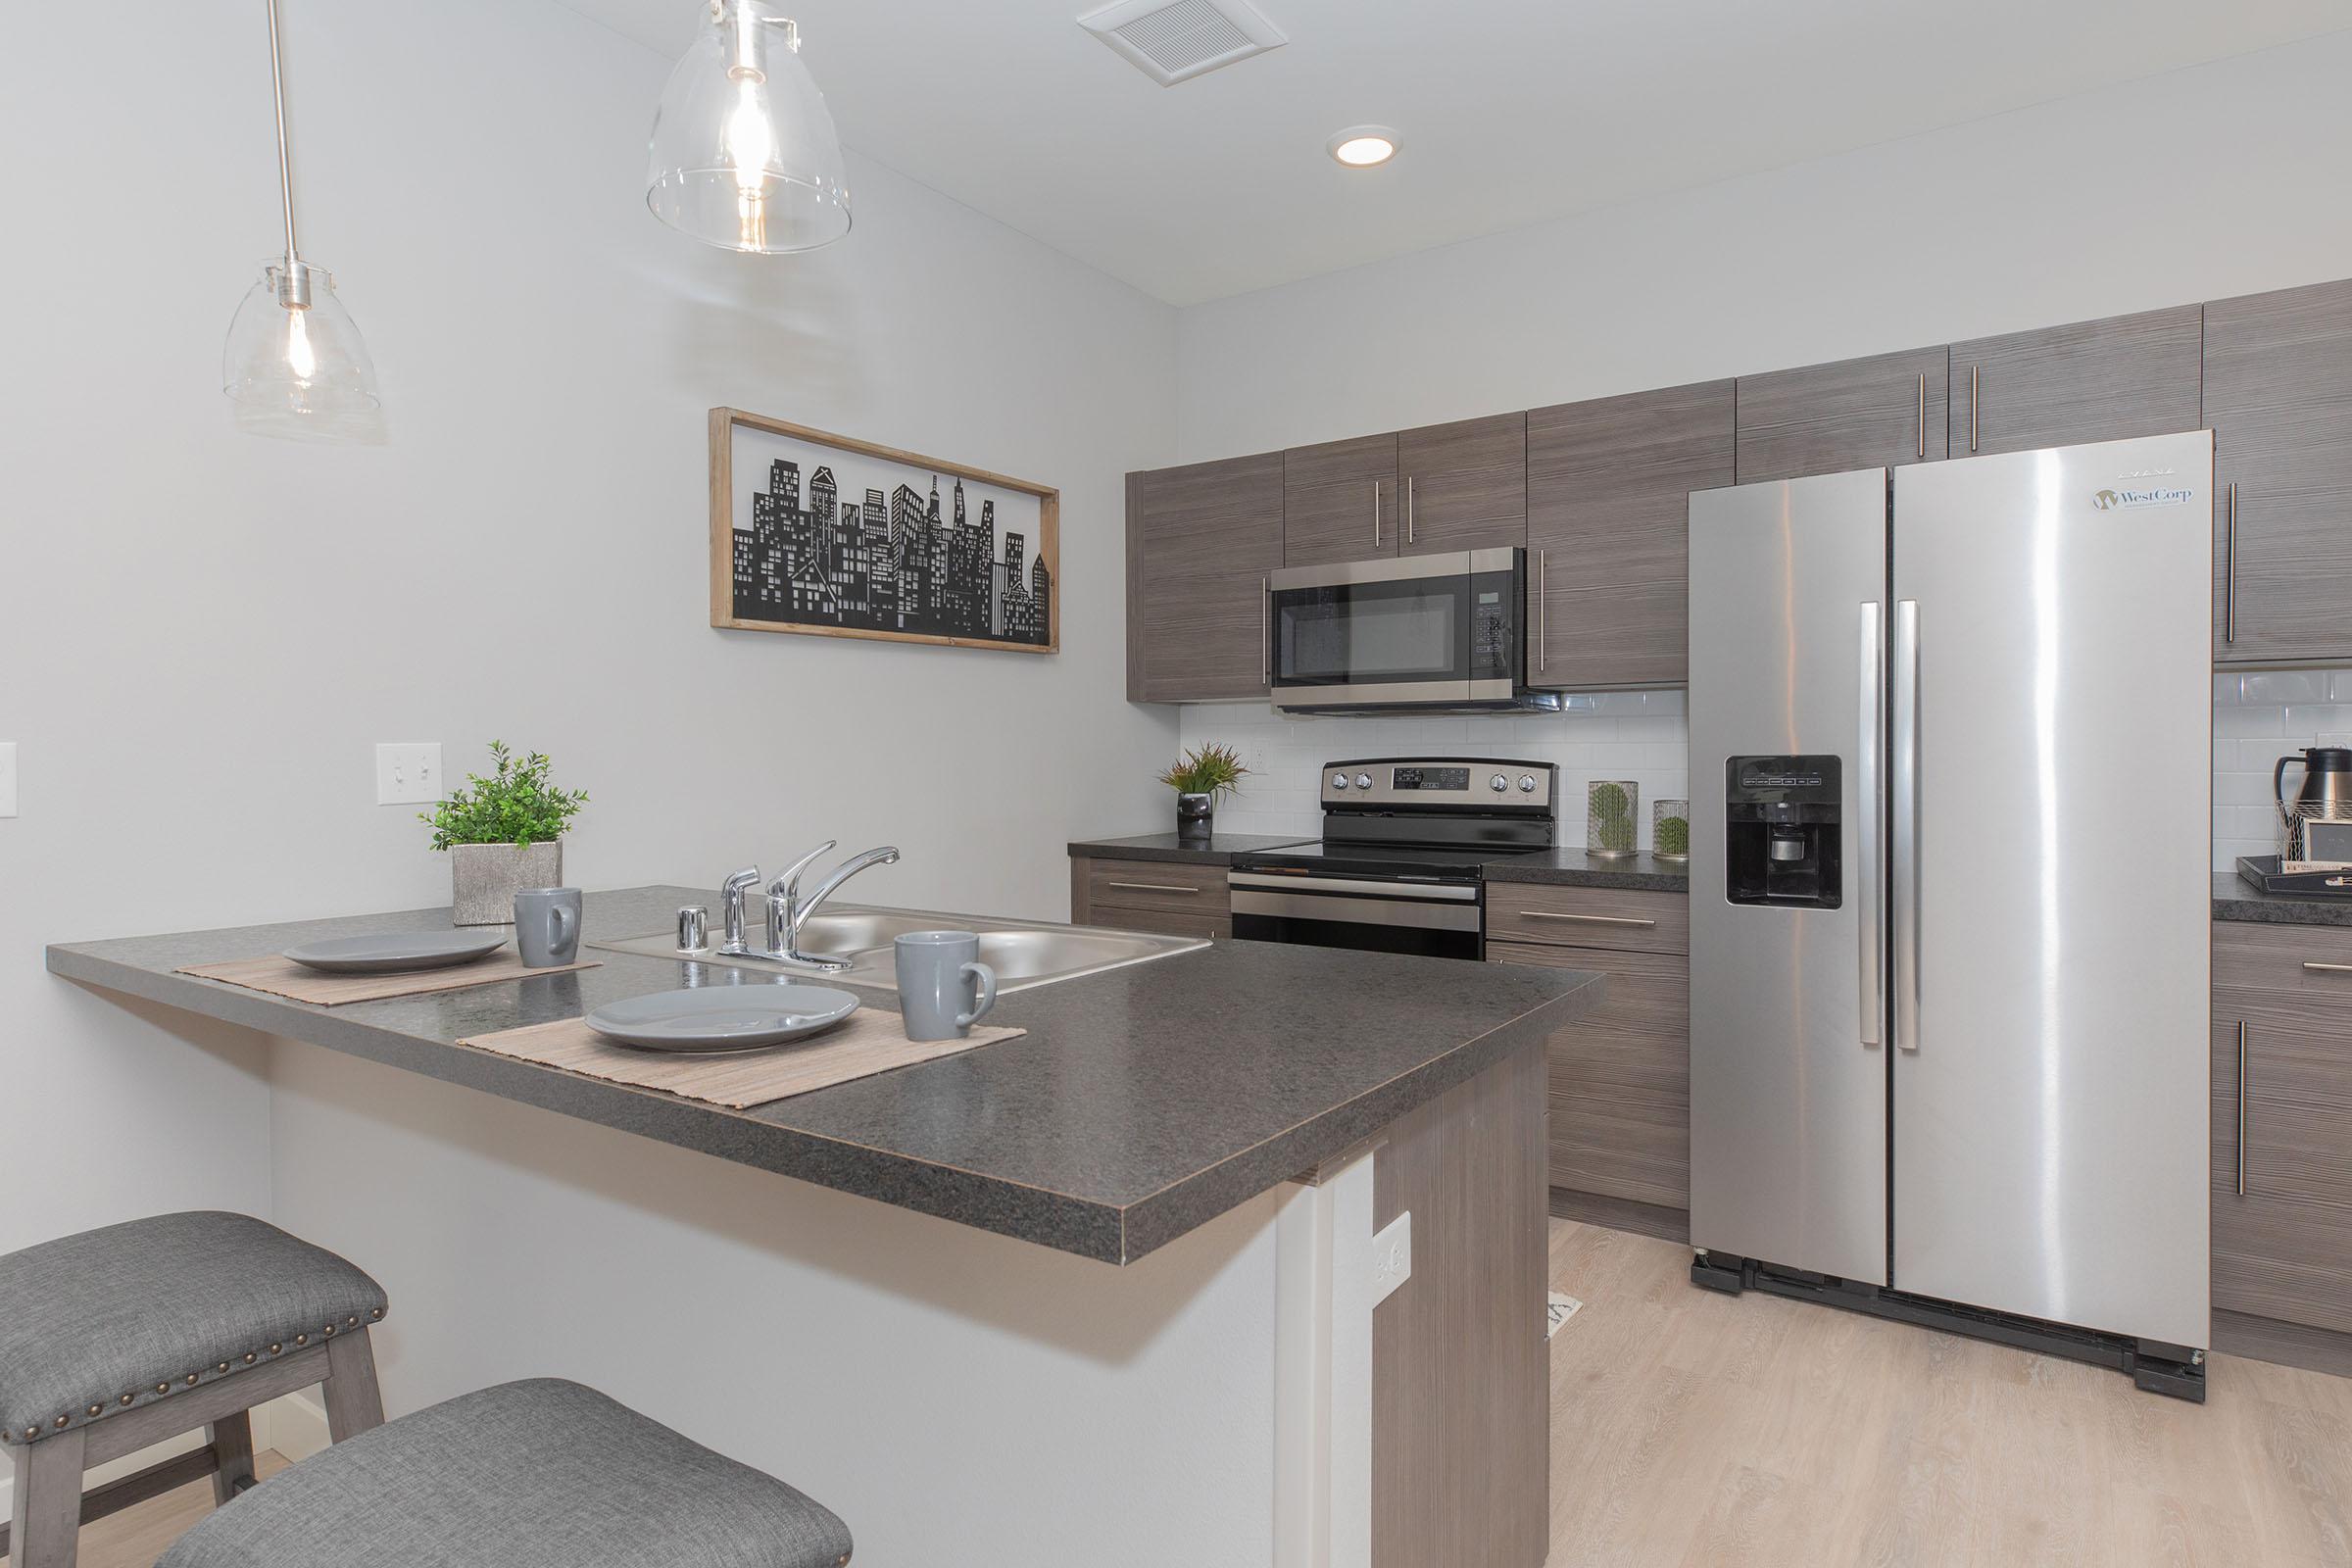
{"points": [[1610, 812], [503, 833], [1199, 777]]}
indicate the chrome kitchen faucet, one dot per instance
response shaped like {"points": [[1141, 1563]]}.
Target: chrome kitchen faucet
{"points": [[788, 910]]}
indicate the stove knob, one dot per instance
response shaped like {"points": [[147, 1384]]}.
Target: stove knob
{"points": [[1339, 781], [1498, 783], [1527, 783], [1363, 781]]}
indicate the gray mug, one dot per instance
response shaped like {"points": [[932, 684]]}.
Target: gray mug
{"points": [[944, 989], [547, 926]]}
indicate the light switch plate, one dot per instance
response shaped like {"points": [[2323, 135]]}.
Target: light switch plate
{"points": [[7, 778], [1392, 1256], [408, 773]]}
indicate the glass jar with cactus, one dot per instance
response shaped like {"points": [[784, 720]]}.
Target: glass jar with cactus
{"points": [[1611, 806], [1199, 777], [1670, 830]]}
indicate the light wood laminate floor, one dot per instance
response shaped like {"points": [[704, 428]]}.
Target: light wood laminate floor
{"points": [[1691, 1430]]}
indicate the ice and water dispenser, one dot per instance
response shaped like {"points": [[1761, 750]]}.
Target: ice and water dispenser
{"points": [[1780, 822]]}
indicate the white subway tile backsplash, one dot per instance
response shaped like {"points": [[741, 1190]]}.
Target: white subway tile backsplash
{"points": [[2279, 687]]}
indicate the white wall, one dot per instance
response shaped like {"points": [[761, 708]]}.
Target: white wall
{"points": [[202, 634], [2223, 179]]}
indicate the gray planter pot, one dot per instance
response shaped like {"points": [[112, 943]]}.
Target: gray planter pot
{"points": [[485, 877], [1195, 815]]}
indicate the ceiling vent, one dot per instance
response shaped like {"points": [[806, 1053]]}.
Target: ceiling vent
{"points": [[1175, 42]]}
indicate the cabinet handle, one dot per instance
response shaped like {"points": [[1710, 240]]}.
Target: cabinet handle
{"points": [[2317, 967], [1543, 614], [1922, 415], [1587, 919], [1972, 372], [2229, 565], [1150, 887], [1376, 513], [1409, 509], [1265, 631], [2242, 1109]]}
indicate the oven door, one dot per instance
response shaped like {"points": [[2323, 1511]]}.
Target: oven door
{"points": [[1441, 921], [1417, 630]]}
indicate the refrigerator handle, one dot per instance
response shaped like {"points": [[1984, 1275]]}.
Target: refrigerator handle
{"points": [[1869, 794], [1904, 862]]}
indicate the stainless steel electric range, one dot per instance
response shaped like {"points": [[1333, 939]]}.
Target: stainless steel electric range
{"points": [[1402, 864]]}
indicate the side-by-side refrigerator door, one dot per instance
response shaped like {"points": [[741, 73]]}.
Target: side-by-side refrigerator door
{"points": [[2051, 756], [1787, 781]]}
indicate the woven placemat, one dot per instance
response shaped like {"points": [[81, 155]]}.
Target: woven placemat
{"points": [[283, 977], [871, 1040]]}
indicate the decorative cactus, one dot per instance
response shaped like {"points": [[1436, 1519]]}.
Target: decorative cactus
{"points": [[1609, 817], [1673, 836]]}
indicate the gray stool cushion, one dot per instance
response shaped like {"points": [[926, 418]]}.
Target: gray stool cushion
{"points": [[96, 1324], [544, 1474]]}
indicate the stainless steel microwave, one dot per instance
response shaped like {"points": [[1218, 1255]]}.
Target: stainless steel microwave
{"points": [[1402, 632]]}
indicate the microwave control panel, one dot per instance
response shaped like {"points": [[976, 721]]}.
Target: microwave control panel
{"points": [[1495, 645]]}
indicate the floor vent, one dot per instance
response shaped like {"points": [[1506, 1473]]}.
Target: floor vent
{"points": [[1175, 42]]}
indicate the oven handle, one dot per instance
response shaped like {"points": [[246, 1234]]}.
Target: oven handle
{"points": [[1277, 882]]}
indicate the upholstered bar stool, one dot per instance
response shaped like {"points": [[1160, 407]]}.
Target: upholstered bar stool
{"points": [[542, 1474], [118, 1339]]}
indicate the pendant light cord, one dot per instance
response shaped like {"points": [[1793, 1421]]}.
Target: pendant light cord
{"points": [[294, 284]]}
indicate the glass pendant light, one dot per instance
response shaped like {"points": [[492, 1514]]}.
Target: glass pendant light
{"points": [[295, 363], [744, 152]]}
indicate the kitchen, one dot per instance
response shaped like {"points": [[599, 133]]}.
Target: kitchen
{"points": [[521, 555]]}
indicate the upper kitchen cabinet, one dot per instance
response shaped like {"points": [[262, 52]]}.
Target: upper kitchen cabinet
{"points": [[2127, 376], [1339, 501], [2278, 399], [1608, 485], [1201, 541], [1465, 484], [1876, 413]]}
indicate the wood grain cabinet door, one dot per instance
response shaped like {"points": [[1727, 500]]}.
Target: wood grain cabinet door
{"points": [[1608, 526], [1465, 485], [2282, 1130], [1201, 541], [1339, 501], [2278, 399], [1876, 413], [2105, 381]]}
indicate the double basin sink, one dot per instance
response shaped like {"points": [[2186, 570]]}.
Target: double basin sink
{"points": [[1023, 954]]}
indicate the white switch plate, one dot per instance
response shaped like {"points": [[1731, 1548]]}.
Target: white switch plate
{"points": [[1392, 1256], [7, 778], [408, 774]]}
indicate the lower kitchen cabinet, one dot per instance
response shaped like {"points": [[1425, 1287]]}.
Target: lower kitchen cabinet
{"points": [[2282, 1155], [1174, 898]]}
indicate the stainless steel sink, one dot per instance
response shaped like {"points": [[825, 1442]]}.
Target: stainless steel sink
{"points": [[1024, 954]]}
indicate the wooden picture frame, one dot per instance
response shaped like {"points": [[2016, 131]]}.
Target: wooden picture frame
{"points": [[892, 567]]}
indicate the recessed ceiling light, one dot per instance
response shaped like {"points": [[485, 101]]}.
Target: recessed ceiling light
{"points": [[1364, 146]]}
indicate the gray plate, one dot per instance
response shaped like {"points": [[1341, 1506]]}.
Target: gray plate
{"points": [[398, 952], [722, 1017]]}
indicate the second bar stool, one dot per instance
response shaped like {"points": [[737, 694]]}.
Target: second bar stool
{"points": [[117, 1339]]}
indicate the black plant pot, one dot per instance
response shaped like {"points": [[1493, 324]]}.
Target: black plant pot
{"points": [[1196, 817]]}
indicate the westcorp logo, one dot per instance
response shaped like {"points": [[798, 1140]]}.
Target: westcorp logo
{"points": [[2126, 498]]}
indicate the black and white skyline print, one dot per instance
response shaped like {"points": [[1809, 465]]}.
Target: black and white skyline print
{"points": [[825, 538]]}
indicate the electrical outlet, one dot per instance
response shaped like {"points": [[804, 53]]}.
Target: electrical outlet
{"points": [[7, 778], [1392, 1256], [408, 774]]}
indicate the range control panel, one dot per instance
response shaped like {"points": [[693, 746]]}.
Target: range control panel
{"points": [[1456, 783]]}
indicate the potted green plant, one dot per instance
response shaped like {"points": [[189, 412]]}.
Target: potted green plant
{"points": [[1610, 806], [503, 833], [1199, 777], [1670, 830]]}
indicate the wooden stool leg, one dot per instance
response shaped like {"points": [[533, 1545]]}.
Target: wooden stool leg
{"points": [[47, 1505], [231, 1438], [353, 1404]]}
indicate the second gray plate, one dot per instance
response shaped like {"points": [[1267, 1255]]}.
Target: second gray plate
{"points": [[398, 952], [722, 1017]]}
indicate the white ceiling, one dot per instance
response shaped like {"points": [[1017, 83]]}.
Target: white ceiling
{"points": [[1510, 111]]}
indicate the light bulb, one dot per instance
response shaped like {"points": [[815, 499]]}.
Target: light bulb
{"points": [[300, 358], [750, 144]]}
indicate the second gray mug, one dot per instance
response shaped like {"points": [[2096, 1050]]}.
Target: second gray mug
{"points": [[944, 989], [547, 926]]}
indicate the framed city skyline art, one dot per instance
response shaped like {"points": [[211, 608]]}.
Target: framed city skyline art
{"points": [[832, 538]]}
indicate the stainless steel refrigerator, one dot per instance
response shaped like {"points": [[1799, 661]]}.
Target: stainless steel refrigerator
{"points": [[1950, 773]]}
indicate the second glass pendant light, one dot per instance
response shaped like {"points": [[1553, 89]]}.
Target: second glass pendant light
{"points": [[744, 152]]}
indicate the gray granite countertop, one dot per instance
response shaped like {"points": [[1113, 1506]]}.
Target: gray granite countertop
{"points": [[1573, 868], [2236, 899], [1220, 850], [1142, 1104]]}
